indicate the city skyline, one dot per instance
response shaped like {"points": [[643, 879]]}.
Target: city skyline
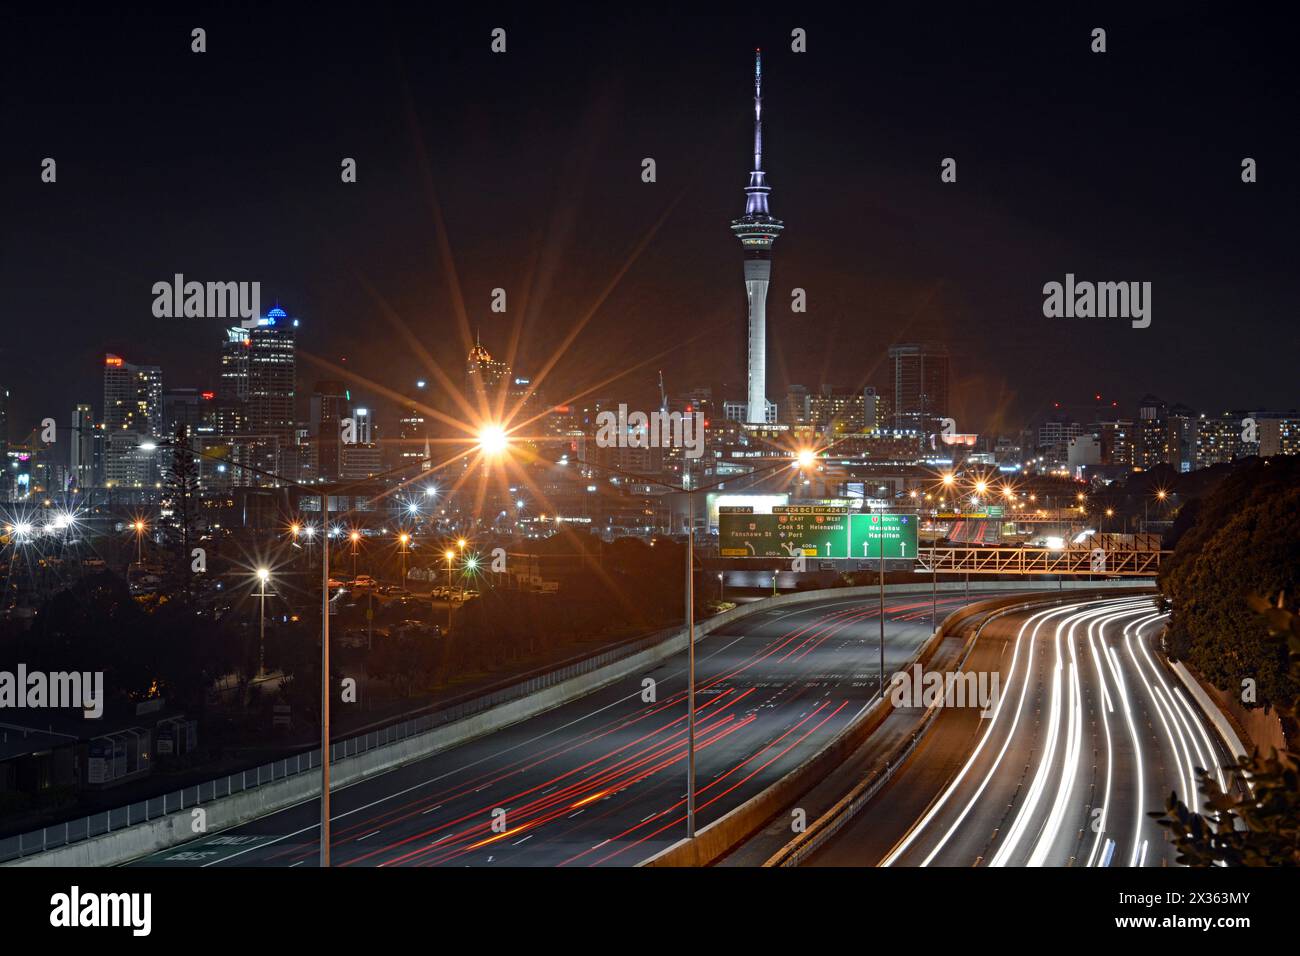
{"points": [[905, 290]]}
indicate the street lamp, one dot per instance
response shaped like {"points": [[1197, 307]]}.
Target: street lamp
{"points": [[263, 575], [492, 440], [469, 568], [139, 541], [450, 555], [404, 538], [355, 537]]}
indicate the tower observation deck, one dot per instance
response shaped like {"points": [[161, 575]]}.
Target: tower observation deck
{"points": [[757, 229]]}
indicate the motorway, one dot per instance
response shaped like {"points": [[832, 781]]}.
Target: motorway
{"points": [[601, 780], [1090, 732]]}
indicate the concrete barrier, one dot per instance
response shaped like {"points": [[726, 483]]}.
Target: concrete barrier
{"points": [[132, 842], [1210, 709]]}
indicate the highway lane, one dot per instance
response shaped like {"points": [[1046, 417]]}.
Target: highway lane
{"points": [[601, 780], [1091, 731]]}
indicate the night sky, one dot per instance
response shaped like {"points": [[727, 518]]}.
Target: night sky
{"points": [[225, 166]]}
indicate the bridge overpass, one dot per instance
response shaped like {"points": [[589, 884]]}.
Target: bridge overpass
{"points": [[1029, 561]]}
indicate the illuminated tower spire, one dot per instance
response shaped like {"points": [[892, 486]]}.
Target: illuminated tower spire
{"points": [[757, 230], [758, 109]]}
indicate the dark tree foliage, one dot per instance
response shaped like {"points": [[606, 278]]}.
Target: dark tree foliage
{"points": [[96, 625], [293, 649], [1256, 822], [615, 590], [409, 662], [182, 486], [1244, 539]]}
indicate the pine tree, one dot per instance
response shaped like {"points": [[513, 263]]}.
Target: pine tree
{"points": [[182, 484]]}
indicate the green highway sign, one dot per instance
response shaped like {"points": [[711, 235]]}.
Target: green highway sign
{"points": [[813, 531], [897, 534]]}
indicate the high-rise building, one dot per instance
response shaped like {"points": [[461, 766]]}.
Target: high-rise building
{"points": [[1182, 424], [191, 407], [363, 425], [81, 447], [272, 378], [132, 415], [484, 377], [839, 411], [1054, 438], [1116, 441], [330, 403], [4, 423], [232, 384], [253, 405], [920, 385], [1222, 438], [412, 447], [797, 407], [1152, 443], [757, 230], [1279, 434]]}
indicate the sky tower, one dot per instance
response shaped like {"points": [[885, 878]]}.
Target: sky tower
{"points": [[757, 229]]}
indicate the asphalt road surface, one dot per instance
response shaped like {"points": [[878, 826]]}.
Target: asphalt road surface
{"points": [[601, 780], [1091, 730]]}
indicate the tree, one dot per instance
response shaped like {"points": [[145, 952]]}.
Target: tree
{"points": [[1245, 539], [182, 483], [1256, 821]]}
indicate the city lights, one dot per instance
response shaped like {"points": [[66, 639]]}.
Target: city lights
{"points": [[492, 440]]}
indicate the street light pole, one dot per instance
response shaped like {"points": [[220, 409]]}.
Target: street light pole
{"points": [[325, 683], [261, 624], [690, 644], [449, 555], [934, 582], [881, 542]]}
